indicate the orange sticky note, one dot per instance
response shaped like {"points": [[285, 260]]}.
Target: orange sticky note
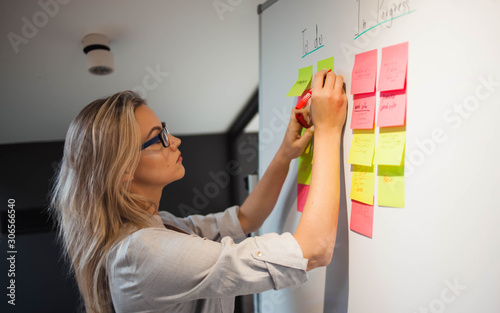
{"points": [[364, 72], [302, 191], [393, 67], [362, 218], [363, 111], [392, 108]]}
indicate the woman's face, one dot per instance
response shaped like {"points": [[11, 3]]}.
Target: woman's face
{"points": [[158, 166]]}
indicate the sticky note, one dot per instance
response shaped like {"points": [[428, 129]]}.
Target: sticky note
{"points": [[362, 147], [363, 184], [362, 218], [302, 192], [305, 77], [392, 108], [364, 72], [391, 186], [393, 67], [305, 164], [325, 64], [363, 111], [390, 146]]}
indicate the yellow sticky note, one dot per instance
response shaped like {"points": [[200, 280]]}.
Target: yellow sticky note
{"points": [[362, 147], [391, 186], [305, 77], [390, 146], [363, 184], [325, 64], [305, 165]]}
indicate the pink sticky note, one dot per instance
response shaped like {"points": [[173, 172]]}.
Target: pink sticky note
{"points": [[302, 191], [393, 67], [392, 108], [362, 218], [363, 111], [364, 72]]}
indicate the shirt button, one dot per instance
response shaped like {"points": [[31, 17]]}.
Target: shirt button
{"points": [[258, 253]]}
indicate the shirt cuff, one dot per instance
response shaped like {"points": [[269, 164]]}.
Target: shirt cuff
{"points": [[283, 257]]}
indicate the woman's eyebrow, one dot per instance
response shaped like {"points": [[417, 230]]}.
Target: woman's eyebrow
{"points": [[153, 129]]}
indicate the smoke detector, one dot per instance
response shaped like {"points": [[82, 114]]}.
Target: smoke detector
{"points": [[99, 56]]}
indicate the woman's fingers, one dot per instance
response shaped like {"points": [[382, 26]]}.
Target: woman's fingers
{"points": [[330, 80], [339, 83], [306, 111], [319, 78]]}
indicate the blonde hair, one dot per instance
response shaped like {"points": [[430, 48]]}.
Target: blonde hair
{"points": [[90, 202]]}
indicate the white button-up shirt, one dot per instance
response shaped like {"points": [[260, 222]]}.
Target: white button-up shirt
{"points": [[158, 269]]}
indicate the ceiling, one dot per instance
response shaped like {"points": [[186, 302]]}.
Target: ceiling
{"points": [[204, 54]]}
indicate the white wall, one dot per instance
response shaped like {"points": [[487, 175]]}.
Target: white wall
{"points": [[441, 253]]}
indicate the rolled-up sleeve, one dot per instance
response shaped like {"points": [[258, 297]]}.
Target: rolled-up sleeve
{"points": [[169, 267]]}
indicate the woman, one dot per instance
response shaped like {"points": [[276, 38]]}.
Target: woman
{"points": [[128, 256]]}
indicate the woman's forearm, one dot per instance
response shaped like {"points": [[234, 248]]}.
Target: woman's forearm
{"points": [[260, 203], [317, 229]]}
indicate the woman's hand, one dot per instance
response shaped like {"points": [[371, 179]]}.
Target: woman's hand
{"points": [[294, 143], [329, 101], [329, 111]]}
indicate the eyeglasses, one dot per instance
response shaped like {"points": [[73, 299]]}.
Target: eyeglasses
{"points": [[162, 136]]}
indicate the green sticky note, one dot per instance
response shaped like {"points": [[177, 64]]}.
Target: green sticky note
{"points": [[305, 77], [362, 147], [390, 146], [363, 183], [391, 186], [305, 165], [325, 64]]}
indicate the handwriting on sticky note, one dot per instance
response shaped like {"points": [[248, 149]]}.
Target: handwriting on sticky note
{"points": [[362, 218], [391, 186], [362, 147], [392, 108], [363, 111], [363, 183], [303, 81], [364, 72], [325, 64], [390, 146], [302, 192], [393, 67]]}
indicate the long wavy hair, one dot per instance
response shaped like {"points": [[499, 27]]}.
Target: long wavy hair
{"points": [[91, 201]]}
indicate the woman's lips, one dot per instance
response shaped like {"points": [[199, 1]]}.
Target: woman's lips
{"points": [[179, 159]]}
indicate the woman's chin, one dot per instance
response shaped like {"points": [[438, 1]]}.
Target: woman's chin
{"points": [[181, 173]]}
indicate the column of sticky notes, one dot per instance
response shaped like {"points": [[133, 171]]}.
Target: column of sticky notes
{"points": [[305, 161], [388, 151]]}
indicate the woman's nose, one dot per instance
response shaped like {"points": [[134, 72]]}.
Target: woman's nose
{"points": [[175, 142]]}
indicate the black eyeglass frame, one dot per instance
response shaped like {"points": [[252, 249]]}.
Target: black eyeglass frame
{"points": [[162, 136]]}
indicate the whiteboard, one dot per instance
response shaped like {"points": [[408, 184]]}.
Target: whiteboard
{"points": [[441, 253]]}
